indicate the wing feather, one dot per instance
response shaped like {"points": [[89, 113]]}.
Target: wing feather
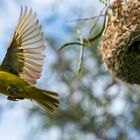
{"points": [[25, 55]]}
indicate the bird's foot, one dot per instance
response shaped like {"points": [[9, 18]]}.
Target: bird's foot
{"points": [[11, 98]]}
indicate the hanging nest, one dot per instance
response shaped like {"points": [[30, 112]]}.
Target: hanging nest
{"points": [[120, 44]]}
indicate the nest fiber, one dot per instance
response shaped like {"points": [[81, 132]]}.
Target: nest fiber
{"points": [[120, 44]]}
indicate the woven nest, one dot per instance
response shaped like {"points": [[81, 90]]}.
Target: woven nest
{"points": [[120, 44]]}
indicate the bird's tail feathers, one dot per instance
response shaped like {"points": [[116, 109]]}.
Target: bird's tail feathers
{"points": [[47, 99]]}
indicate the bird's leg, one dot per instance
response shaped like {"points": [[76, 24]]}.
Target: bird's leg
{"points": [[14, 91]]}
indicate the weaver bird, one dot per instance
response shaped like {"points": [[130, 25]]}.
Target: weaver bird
{"points": [[22, 65]]}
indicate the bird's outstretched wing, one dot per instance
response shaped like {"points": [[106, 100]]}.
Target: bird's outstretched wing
{"points": [[25, 55]]}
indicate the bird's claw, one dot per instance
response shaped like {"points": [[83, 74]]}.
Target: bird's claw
{"points": [[11, 98]]}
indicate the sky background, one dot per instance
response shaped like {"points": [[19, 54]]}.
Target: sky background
{"points": [[13, 122]]}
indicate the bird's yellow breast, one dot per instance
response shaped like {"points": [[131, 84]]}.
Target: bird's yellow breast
{"points": [[8, 79]]}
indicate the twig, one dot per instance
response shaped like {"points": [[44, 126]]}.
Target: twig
{"points": [[70, 44], [81, 57], [85, 19]]}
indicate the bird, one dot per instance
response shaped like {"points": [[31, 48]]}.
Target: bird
{"points": [[23, 63], [120, 43]]}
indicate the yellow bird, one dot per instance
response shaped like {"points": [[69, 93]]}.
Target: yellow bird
{"points": [[22, 65]]}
